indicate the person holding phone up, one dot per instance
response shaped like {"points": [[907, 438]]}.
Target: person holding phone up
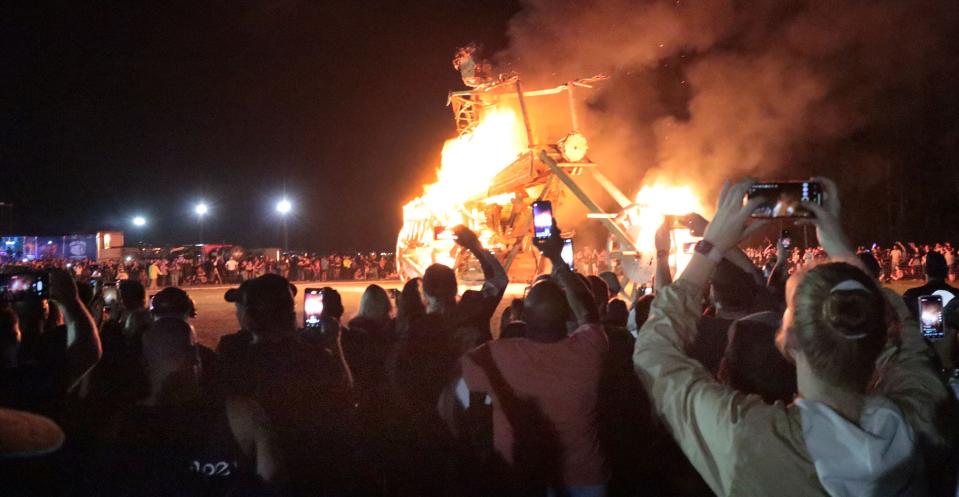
{"points": [[548, 378], [866, 420]]}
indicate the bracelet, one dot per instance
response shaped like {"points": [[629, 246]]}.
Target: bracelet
{"points": [[708, 250], [662, 253]]}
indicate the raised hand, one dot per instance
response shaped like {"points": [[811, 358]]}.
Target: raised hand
{"points": [[466, 238], [829, 231], [63, 289], [728, 226], [551, 247], [662, 238]]}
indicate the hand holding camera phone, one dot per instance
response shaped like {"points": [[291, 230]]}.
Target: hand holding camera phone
{"points": [[567, 253], [312, 307], [785, 199], [110, 295], [930, 317], [542, 219], [19, 287]]}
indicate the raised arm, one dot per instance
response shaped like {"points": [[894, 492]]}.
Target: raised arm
{"points": [[493, 271], [906, 370], [83, 340], [779, 274], [664, 276], [702, 414], [577, 293], [736, 256]]}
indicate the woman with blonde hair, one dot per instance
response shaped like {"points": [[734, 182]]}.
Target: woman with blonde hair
{"points": [[868, 419]]}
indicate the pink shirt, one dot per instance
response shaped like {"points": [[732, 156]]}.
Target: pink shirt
{"points": [[561, 381]]}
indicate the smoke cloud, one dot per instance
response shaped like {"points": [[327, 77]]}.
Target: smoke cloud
{"points": [[708, 90]]}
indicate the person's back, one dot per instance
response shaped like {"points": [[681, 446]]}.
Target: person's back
{"points": [[424, 358], [545, 389], [178, 440], [544, 402], [936, 272], [301, 387], [868, 419], [184, 449]]}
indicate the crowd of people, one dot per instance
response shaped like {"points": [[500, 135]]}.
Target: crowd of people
{"points": [[176, 271], [723, 381], [898, 262]]}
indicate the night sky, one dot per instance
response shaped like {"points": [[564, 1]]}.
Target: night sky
{"points": [[121, 109], [115, 109]]}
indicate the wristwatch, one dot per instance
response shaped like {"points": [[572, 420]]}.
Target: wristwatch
{"points": [[708, 250]]}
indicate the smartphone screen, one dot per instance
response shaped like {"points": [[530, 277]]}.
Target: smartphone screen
{"points": [[312, 307], [567, 253], [784, 199], [930, 317], [786, 239], [17, 287], [542, 219], [109, 294]]}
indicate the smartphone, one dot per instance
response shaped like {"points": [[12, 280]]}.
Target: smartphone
{"points": [[567, 253], [930, 317], [784, 199], [17, 287], [110, 295], [312, 307], [696, 224], [542, 219], [675, 222], [785, 237], [443, 233]]}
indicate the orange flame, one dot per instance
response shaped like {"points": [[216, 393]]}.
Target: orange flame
{"points": [[654, 203], [469, 163]]}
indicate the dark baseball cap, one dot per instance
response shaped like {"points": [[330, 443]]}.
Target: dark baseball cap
{"points": [[27, 435], [172, 301], [269, 290]]}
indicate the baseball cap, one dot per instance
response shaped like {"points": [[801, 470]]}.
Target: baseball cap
{"points": [[234, 295], [27, 435], [269, 290], [172, 300]]}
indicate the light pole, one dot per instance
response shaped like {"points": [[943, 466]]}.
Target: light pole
{"points": [[139, 222], [284, 207], [201, 210]]}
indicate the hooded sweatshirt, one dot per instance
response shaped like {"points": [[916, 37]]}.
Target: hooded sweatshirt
{"points": [[744, 447], [875, 457]]}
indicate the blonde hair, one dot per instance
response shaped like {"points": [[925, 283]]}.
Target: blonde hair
{"points": [[375, 304], [839, 323]]}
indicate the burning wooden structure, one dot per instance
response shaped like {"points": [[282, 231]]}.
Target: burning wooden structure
{"points": [[493, 171]]}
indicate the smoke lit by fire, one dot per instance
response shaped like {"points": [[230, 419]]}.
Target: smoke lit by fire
{"points": [[707, 90]]}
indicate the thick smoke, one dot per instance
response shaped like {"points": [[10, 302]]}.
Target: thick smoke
{"points": [[707, 90]]}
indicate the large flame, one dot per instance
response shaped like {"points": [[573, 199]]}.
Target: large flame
{"points": [[470, 162], [656, 201]]}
